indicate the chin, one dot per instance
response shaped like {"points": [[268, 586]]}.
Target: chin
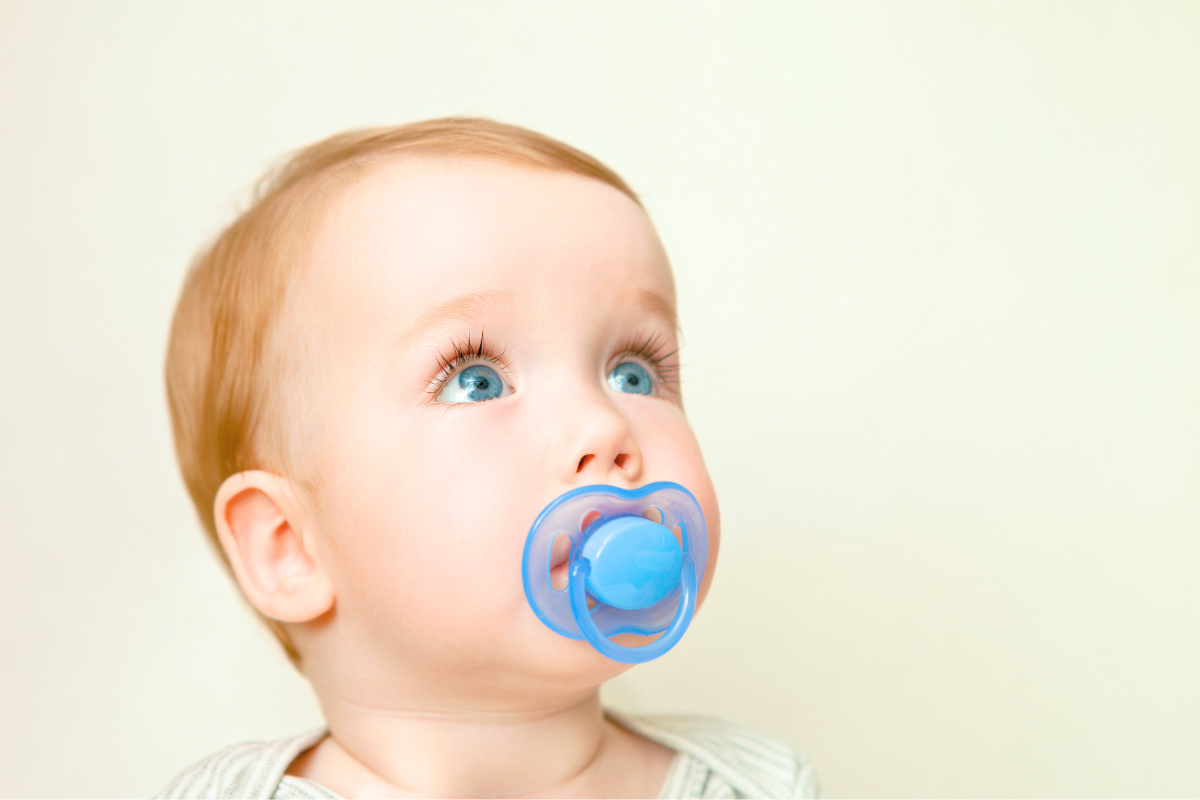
{"points": [[569, 666]]}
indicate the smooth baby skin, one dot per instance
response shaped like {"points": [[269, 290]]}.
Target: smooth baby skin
{"points": [[394, 551]]}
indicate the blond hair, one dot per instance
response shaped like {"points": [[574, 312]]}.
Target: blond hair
{"points": [[220, 364]]}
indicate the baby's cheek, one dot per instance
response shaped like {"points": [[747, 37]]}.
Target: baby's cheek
{"points": [[677, 457], [671, 452], [446, 533]]}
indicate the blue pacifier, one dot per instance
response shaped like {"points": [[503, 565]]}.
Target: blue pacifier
{"points": [[624, 555]]}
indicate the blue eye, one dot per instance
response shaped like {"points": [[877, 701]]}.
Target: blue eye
{"points": [[630, 377], [474, 384]]}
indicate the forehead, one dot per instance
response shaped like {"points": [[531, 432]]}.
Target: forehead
{"points": [[415, 233]]}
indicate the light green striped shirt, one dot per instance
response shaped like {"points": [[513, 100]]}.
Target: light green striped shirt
{"points": [[715, 760]]}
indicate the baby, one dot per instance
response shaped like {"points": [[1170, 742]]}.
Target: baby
{"points": [[413, 341]]}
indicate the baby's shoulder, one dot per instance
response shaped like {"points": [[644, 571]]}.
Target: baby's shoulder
{"points": [[721, 759], [249, 769]]}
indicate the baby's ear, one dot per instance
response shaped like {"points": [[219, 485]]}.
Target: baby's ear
{"points": [[261, 527]]}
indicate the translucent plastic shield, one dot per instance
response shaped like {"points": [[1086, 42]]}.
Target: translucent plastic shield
{"points": [[580, 513]]}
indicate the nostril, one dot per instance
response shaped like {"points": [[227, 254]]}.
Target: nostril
{"points": [[620, 460], [583, 462]]}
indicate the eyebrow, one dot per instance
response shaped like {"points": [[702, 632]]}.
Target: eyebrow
{"points": [[656, 303], [470, 307], [464, 308]]}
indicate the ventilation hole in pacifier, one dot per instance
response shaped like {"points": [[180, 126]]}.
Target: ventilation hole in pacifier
{"points": [[560, 562], [677, 532], [588, 519], [654, 515]]}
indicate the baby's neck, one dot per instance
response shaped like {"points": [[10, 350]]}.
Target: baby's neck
{"points": [[565, 748]]}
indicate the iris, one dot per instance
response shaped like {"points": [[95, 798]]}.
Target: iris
{"points": [[631, 378], [474, 384]]}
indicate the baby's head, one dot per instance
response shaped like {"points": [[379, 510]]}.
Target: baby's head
{"points": [[378, 375]]}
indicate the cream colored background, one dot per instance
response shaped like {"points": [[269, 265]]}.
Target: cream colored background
{"points": [[940, 284]]}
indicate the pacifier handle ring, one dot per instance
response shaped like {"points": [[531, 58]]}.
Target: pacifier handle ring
{"points": [[577, 581]]}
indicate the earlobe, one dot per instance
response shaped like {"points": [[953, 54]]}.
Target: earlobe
{"points": [[261, 528]]}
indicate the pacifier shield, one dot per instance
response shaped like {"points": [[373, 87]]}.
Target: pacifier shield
{"points": [[633, 567]]}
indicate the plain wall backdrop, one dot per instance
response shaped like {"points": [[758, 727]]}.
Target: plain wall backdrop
{"points": [[939, 280]]}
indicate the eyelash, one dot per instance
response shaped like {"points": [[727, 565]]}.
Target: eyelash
{"points": [[465, 351], [650, 348]]}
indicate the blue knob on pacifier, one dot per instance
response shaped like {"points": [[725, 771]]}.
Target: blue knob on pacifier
{"points": [[635, 562], [638, 554]]}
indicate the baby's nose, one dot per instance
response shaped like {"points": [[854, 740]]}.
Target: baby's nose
{"points": [[602, 449]]}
